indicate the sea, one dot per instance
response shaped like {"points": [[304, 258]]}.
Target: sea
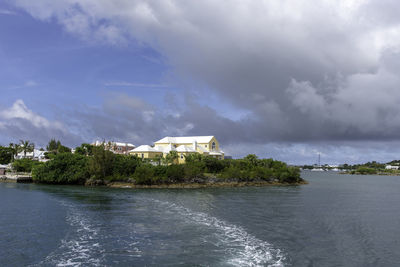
{"points": [[335, 220]]}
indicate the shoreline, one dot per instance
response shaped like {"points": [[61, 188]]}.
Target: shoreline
{"points": [[200, 185], [127, 185], [379, 174], [16, 178]]}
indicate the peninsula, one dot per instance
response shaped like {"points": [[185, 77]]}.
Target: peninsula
{"points": [[99, 164]]}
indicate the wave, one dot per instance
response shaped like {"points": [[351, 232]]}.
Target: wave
{"points": [[79, 247], [243, 249]]}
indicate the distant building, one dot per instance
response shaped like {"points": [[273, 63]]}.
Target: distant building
{"points": [[36, 154], [116, 147], [205, 145], [391, 167]]}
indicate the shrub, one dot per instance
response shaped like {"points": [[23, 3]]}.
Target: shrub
{"points": [[101, 163], [213, 165], [124, 166], [175, 173], [6, 155], [65, 168], [24, 165], [366, 170], [261, 173], [232, 172], [144, 174], [194, 170]]}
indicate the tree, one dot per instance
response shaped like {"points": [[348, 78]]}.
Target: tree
{"points": [[15, 149], [172, 157], [101, 163], [53, 145], [158, 159], [24, 165], [27, 146], [251, 159], [63, 149], [65, 168], [85, 150], [6, 155]]}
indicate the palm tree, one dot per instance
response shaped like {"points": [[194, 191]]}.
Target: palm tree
{"points": [[15, 149], [27, 146]]}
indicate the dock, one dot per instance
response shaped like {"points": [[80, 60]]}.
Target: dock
{"points": [[15, 178]]}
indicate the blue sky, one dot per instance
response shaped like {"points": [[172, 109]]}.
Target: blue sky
{"points": [[46, 65], [282, 80]]}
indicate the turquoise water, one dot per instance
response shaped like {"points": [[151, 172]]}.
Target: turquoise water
{"points": [[336, 220]]}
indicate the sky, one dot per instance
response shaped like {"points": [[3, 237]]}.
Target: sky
{"points": [[281, 79]]}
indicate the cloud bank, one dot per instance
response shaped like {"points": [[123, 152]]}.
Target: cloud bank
{"points": [[303, 71], [19, 122]]}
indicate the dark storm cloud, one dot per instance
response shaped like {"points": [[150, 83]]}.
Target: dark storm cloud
{"points": [[303, 71]]}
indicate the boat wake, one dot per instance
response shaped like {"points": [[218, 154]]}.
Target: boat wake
{"points": [[242, 248], [80, 247]]}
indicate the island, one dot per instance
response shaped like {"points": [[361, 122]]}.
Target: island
{"points": [[373, 168], [92, 165]]}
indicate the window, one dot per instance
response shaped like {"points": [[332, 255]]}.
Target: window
{"points": [[142, 155], [181, 155], [213, 146], [205, 145]]}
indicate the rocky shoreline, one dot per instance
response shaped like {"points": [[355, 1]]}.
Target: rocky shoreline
{"points": [[27, 178], [201, 185]]}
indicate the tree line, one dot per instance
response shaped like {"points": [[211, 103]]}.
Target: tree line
{"points": [[97, 165]]}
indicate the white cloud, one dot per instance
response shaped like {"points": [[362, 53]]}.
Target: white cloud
{"points": [[19, 122], [134, 84], [7, 12]]}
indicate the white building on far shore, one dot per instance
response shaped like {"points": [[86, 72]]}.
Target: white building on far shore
{"points": [[391, 167], [35, 155]]}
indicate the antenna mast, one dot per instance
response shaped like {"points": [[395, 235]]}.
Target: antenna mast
{"points": [[319, 159]]}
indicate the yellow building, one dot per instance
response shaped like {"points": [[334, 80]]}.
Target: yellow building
{"points": [[146, 152], [206, 145]]}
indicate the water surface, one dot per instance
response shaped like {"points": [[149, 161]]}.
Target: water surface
{"points": [[336, 220]]}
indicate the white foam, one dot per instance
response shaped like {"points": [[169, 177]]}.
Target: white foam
{"points": [[243, 248], [77, 248]]}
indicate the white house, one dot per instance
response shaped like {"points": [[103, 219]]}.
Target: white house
{"points": [[391, 167], [36, 155]]}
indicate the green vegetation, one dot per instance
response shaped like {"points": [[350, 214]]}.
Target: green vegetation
{"points": [[24, 165], [6, 155], [26, 146], [365, 170], [95, 165], [55, 147], [64, 168], [15, 149], [371, 168]]}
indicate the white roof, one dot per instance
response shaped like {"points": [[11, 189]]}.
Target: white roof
{"points": [[184, 139], [165, 149], [98, 143], [144, 148], [183, 148], [216, 153], [124, 144]]}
